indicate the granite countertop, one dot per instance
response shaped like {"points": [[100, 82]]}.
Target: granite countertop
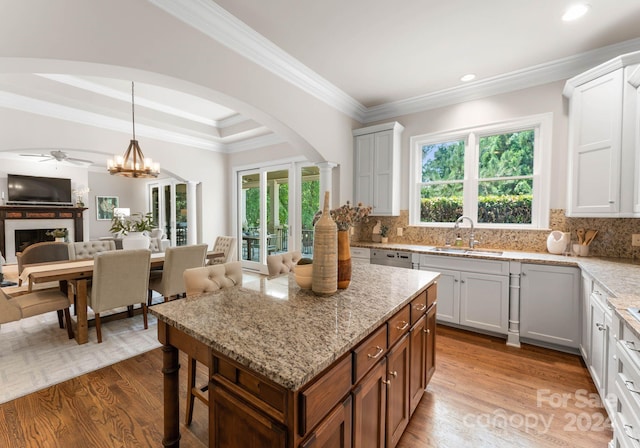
{"points": [[289, 334], [619, 277]]}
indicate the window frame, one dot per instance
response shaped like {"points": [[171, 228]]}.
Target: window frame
{"points": [[542, 125]]}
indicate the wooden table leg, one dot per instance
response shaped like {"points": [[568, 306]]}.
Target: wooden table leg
{"points": [[82, 330], [170, 369]]}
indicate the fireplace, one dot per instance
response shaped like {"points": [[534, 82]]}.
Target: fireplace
{"points": [[15, 219], [27, 237]]}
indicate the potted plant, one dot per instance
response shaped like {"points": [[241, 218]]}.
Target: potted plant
{"points": [[132, 228], [58, 234], [384, 233]]}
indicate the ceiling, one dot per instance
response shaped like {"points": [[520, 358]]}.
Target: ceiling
{"points": [[375, 53]]}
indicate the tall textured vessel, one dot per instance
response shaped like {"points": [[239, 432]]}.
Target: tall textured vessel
{"points": [[325, 253]]}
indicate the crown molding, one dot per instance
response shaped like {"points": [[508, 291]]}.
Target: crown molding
{"points": [[212, 20], [557, 70]]}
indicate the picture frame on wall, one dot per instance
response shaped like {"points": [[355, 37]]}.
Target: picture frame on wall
{"points": [[105, 206]]}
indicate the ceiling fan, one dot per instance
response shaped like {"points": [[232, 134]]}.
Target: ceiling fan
{"points": [[58, 156]]}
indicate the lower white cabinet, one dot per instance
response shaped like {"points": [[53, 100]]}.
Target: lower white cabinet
{"points": [[550, 304], [471, 292], [585, 308]]}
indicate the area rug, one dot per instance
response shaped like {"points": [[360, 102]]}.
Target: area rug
{"points": [[35, 353]]}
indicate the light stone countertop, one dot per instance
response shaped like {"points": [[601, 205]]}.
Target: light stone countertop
{"points": [[290, 335], [619, 277]]}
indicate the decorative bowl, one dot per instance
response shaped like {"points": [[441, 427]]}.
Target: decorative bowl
{"points": [[303, 274]]}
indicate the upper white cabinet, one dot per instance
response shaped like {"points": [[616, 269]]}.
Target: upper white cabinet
{"points": [[603, 140], [377, 167]]}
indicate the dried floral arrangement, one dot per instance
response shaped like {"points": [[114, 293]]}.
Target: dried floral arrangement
{"points": [[346, 216]]}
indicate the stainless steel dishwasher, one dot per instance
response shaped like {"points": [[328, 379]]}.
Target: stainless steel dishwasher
{"points": [[389, 257]]}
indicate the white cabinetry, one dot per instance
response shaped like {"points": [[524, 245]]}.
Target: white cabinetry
{"points": [[473, 293], [377, 167], [585, 308], [603, 140], [550, 304], [599, 359], [626, 391]]}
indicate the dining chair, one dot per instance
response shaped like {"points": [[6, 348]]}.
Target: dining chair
{"points": [[44, 252], [120, 278], [169, 281], [227, 245], [283, 263], [34, 303], [198, 281], [82, 250]]}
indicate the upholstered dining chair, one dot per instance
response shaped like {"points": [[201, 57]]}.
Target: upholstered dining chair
{"points": [[283, 263], [32, 304], [198, 281], [226, 244], [82, 250], [120, 278], [44, 252], [169, 281]]}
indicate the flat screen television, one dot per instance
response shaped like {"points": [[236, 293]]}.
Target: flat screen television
{"points": [[34, 190]]}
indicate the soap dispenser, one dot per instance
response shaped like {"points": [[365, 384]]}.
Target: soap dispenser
{"points": [[458, 241]]}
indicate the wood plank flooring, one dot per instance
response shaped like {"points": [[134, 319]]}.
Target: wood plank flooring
{"points": [[483, 394]]}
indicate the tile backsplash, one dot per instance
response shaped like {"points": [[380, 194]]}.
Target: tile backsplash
{"points": [[613, 239]]}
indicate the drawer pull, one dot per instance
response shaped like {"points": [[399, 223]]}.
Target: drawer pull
{"points": [[426, 330], [631, 346], [627, 432], [600, 327], [630, 387], [404, 326], [421, 307], [378, 353], [394, 374]]}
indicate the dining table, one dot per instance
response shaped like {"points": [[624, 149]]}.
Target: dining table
{"points": [[73, 276]]}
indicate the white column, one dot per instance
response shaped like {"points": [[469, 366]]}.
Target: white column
{"points": [[326, 180], [192, 213]]}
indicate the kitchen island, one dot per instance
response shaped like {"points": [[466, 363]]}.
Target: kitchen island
{"points": [[286, 367]]}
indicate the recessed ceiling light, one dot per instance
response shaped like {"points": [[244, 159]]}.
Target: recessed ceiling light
{"points": [[468, 77], [574, 12]]}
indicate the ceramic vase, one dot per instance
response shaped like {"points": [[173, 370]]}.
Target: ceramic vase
{"points": [[324, 280], [135, 240], [344, 259]]}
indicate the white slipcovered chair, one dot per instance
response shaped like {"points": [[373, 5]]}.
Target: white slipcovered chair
{"points": [[198, 281], [32, 304], [227, 245], [283, 263], [82, 250], [120, 278], [169, 281]]}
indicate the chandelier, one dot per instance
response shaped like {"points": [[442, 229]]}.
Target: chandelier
{"points": [[133, 163]]}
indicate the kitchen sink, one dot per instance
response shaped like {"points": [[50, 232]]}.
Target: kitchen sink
{"points": [[635, 312], [465, 251]]}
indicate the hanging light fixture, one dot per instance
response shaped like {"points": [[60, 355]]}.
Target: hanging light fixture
{"points": [[133, 163]]}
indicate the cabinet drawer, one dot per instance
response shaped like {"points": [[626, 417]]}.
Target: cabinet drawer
{"points": [[360, 252], [399, 325], [268, 393], [418, 307], [318, 399], [369, 352], [435, 262]]}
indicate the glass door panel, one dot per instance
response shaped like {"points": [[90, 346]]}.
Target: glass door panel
{"points": [[309, 205], [181, 214], [277, 240], [250, 212]]}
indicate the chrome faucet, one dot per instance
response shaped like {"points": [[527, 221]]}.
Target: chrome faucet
{"points": [[472, 239]]}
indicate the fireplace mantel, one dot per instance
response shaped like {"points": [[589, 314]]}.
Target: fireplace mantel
{"points": [[40, 212]]}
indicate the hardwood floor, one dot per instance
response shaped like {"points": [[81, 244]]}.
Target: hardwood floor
{"points": [[483, 394]]}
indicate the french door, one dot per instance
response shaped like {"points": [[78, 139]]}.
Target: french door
{"points": [[168, 206], [275, 211]]}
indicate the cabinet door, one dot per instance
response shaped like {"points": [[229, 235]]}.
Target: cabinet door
{"points": [[550, 304], [397, 391], [431, 344], [369, 408], [484, 302], [383, 188], [599, 341], [333, 432], [417, 362], [596, 146], [585, 307], [234, 423], [448, 294], [363, 169]]}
